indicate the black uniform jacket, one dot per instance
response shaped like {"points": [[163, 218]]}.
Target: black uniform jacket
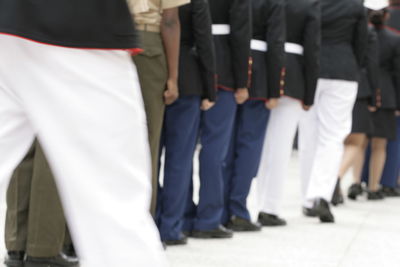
{"points": [[389, 57], [268, 26], [233, 50], [71, 23], [197, 68], [394, 20], [303, 28], [369, 84], [344, 39]]}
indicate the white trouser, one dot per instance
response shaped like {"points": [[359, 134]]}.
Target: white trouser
{"points": [[86, 108], [278, 146], [321, 135]]}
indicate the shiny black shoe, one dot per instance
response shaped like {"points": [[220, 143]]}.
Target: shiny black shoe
{"points": [[337, 198], [219, 232], [390, 191], [266, 219], [182, 241], [15, 259], [355, 190], [61, 260], [238, 224], [69, 250], [309, 212], [375, 195], [321, 206]]}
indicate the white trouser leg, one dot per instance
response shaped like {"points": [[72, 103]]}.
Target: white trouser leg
{"points": [[333, 109], [87, 110], [276, 153], [307, 146]]}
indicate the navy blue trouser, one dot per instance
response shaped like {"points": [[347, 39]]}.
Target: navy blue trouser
{"points": [[215, 133], [391, 171], [180, 132], [244, 157]]}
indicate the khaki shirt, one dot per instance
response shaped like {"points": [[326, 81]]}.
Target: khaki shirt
{"points": [[149, 12]]}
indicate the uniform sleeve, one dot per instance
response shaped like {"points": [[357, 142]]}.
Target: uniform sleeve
{"points": [[397, 73], [312, 47], [361, 35], [166, 4], [276, 37], [372, 67], [240, 21], [205, 46]]}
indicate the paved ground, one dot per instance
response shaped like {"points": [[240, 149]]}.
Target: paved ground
{"points": [[366, 235]]}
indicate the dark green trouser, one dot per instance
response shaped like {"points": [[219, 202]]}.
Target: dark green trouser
{"points": [[35, 220], [153, 74]]}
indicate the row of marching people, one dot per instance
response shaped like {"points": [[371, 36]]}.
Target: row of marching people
{"points": [[304, 71]]}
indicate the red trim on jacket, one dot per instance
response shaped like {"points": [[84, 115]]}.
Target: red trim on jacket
{"points": [[133, 51], [392, 29], [225, 88]]}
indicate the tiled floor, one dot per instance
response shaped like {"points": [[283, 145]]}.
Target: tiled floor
{"points": [[366, 234]]}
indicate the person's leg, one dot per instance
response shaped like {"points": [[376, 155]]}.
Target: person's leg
{"points": [[46, 224], [152, 70], [16, 137], [215, 133], [334, 114], [251, 119], [87, 110], [334, 123], [308, 132], [277, 149], [377, 162], [358, 164], [354, 147], [392, 166], [18, 195], [181, 127], [228, 170]]}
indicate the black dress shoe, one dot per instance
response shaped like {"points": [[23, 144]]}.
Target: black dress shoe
{"points": [[390, 191], [337, 198], [266, 219], [61, 260], [219, 232], [238, 224], [15, 259], [69, 250], [309, 212], [182, 241], [324, 213], [375, 195], [355, 190]]}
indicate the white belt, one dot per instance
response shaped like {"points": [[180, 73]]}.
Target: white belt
{"points": [[294, 49], [262, 46], [259, 45], [221, 29]]}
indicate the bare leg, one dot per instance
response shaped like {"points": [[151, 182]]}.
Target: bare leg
{"points": [[358, 164], [377, 163], [354, 146]]}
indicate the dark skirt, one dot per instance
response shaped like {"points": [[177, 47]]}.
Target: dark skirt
{"points": [[362, 118], [384, 124]]}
